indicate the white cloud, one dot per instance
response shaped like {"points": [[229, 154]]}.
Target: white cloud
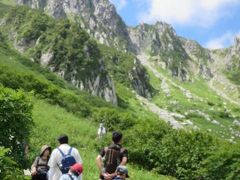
{"points": [[120, 4], [222, 41], [193, 12]]}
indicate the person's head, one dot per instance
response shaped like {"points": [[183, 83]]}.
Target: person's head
{"points": [[63, 139], [122, 171], [76, 169], [45, 151], [116, 137]]}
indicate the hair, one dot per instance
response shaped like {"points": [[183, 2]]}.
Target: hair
{"points": [[116, 137], [75, 173], [63, 139]]}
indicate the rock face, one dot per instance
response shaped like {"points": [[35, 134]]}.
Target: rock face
{"points": [[162, 43], [200, 57], [233, 56], [139, 79], [99, 17]]}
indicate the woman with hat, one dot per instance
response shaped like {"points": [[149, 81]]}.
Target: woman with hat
{"points": [[40, 167]]}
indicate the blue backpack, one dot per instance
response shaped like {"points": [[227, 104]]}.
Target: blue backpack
{"points": [[67, 161]]}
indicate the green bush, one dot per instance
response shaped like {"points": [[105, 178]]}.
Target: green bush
{"points": [[9, 169], [144, 142], [15, 121], [181, 153], [156, 146], [114, 120], [223, 164]]}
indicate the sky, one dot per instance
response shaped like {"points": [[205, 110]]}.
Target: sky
{"points": [[212, 23]]}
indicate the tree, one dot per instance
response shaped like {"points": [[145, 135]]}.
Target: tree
{"points": [[15, 121]]}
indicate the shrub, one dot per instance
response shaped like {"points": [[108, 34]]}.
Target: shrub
{"points": [[113, 119], [15, 121], [144, 140], [223, 163], [8, 168]]}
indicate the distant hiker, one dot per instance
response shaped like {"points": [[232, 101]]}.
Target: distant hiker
{"points": [[122, 173], [74, 172], [62, 158], [101, 131], [39, 168], [111, 157]]}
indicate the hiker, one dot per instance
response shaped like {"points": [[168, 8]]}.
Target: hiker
{"points": [[101, 131], [62, 158], [111, 157], [40, 167], [122, 173], [74, 172]]}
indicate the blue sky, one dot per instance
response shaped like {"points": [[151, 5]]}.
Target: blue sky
{"points": [[213, 23]]}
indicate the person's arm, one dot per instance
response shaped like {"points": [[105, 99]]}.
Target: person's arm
{"points": [[124, 157], [99, 163], [124, 161], [34, 167]]}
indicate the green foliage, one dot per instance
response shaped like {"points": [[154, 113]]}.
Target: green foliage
{"points": [[223, 163], [75, 54], [8, 168], [15, 121], [114, 120], [182, 153], [155, 146], [144, 139], [119, 64]]}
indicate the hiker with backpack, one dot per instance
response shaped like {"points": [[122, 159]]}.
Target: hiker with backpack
{"points": [[74, 172], [111, 157], [39, 168], [62, 158]]}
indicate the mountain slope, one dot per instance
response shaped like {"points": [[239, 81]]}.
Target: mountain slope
{"points": [[99, 17], [189, 103], [66, 49]]}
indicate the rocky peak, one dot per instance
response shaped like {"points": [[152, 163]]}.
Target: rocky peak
{"points": [[151, 38], [233, 56], [99, 17], [160, 41]]}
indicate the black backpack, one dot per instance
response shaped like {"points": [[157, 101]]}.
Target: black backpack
{"points": [[112, 158], [41, 174]]}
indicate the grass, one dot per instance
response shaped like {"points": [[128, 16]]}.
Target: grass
{"points": [[209, 103], [50, 121]]}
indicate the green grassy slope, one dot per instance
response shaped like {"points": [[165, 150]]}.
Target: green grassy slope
{"points": [[51, 120], [206, 102]]}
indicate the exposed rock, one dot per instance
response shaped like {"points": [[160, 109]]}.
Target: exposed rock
{"points": [[46, 58], [139, 80], [161, 40], [99, 17]]}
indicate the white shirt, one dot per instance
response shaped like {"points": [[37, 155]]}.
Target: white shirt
{"points": [[101, 131], [66, 177], [54, 172]]}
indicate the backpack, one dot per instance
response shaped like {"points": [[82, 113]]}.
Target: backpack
{"points": [[112, 158], [41, 174], [67, 161]]}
